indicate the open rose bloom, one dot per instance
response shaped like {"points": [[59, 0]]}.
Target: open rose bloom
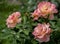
{"points": [[45, 9], [13, 19], [42, 32]]}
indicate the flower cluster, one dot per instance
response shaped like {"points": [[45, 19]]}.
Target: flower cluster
{"points": [[13, 19], [45, 9], [42, 32]]}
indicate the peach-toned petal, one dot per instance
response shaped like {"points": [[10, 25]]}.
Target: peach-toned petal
{"points": [[45, 38], [51, 17], [36, 18], [19, 20]]}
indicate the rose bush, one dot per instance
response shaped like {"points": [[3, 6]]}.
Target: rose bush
{"points": [[35, 22]]}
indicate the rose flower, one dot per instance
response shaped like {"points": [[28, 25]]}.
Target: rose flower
{"points": [[45, 9], [13, 19], [42, 32]]}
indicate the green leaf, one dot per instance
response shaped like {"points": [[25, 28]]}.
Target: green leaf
{"points": [[26, 31]]}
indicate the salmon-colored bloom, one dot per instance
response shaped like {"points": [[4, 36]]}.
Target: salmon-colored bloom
{"points": [[45, 9], [36, 14], [42, 32], [13, 19]]}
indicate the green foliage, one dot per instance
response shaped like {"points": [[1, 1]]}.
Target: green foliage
{"points": [[22, 33]]}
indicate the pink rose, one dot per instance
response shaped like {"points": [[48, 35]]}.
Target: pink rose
{"points": [[35, 14], [45, 9], [42, 32], [13, 19]]}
